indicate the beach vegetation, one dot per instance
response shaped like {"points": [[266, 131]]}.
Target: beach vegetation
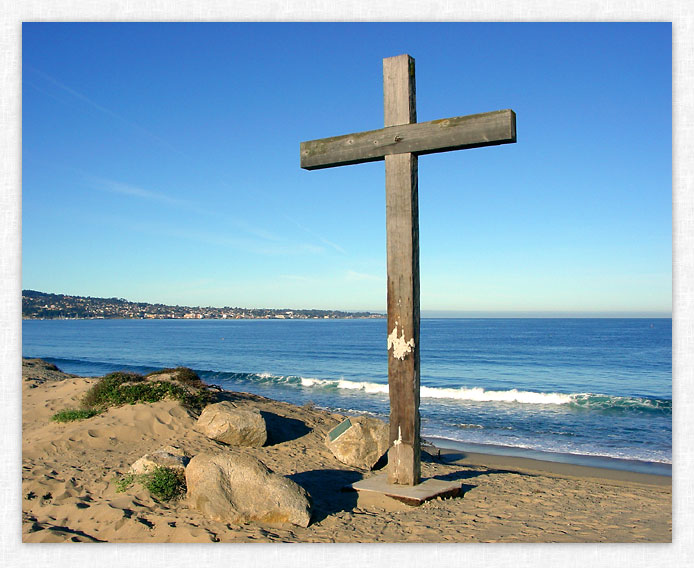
{"points": [[123, 482], [163, 483], [120, 388], [72, 414], [183, 375], [117, 389]]}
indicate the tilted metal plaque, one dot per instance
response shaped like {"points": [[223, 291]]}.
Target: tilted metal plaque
{"points": [[340, 429]]}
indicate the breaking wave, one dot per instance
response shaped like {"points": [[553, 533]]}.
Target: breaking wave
{"points": [[578, 401]]}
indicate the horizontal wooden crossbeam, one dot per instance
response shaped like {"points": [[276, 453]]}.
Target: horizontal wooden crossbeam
{"points": [[457, 133]]}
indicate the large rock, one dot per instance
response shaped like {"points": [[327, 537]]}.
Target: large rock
{"points": [[168, 456], [362, 444], [227, 423], [236, 488]]}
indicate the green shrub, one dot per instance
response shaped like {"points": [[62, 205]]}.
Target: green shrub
{"points": [[123, 482], [117, 389], [107, 391], [183, 375], [197, 401], [164, 483], [69, 414]]}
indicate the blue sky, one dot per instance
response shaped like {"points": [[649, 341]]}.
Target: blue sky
{"points": [[160, 163]]}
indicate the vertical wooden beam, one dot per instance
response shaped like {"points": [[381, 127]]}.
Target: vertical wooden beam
{"points": [[400, 142], [399, 96], [402, 243]]}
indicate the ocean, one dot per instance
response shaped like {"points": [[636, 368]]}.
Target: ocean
{"points": [[587, 391]]}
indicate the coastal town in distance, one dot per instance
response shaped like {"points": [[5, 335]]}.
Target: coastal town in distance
{"points": [[41, 305]]}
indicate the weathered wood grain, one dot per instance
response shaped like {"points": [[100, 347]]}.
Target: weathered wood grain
{"points": [[400, 143], [444, 135], [402, 245], [399, 92]]}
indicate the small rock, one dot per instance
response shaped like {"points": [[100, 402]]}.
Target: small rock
{"points": [[236, 488], [362, 444], [235, 426], [168, 456]]}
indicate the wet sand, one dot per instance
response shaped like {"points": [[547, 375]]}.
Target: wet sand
{"points": [[69, 493]]}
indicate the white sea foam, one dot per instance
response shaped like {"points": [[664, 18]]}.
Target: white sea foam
{"points": [[481, 395], [344, 384], [477, 394], [269, 376], [462, 393]]}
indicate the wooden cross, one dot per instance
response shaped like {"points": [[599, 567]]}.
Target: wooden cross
{"points": [[400, 143]]}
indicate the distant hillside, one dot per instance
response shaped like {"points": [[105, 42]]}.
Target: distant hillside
{"points": [[40, 305]]}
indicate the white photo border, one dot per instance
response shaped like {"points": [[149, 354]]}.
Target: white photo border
{"points": [[14, 553]]}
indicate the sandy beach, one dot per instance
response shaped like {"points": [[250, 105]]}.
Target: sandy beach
{"points": [[69, 493]]}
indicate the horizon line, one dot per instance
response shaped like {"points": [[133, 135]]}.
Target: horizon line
{"points": [[426, 313], [546, 314]]}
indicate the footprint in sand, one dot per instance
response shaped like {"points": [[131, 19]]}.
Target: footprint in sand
{"points": [[63, 496], [159, 427]]}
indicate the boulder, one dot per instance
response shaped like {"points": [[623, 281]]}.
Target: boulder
{"points": [[225, 422], [233, 487], [360, 445], [168, 456]]}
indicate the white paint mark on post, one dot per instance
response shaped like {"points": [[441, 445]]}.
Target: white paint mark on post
{"points": [[399, 345], [399, 440]]}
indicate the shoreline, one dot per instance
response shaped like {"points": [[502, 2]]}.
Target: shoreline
{"points": [[530, 465], [494, 450], [594, 466], [70, 491]]}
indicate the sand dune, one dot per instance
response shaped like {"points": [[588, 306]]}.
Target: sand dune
{"points": [[69, 493]]}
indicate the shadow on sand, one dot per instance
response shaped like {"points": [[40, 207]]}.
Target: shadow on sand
{"points": [[282, 429], [471, 474], [279, 428], [327, 490]]}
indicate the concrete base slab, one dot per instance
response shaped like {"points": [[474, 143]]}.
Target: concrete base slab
{"points": [[410, 494]]}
